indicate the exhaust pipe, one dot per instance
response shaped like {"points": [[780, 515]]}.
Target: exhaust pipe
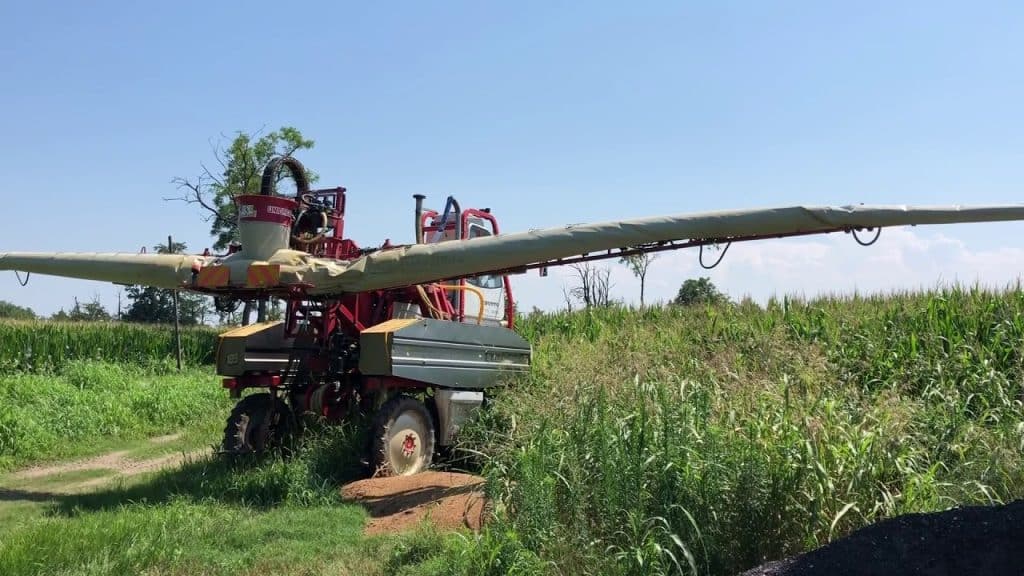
{"points": [[419, 217]]}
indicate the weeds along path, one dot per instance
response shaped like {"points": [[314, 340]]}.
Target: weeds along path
{"points": [[711, 439]]}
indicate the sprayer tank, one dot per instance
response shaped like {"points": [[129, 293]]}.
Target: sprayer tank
{"points": [[264, 224]]}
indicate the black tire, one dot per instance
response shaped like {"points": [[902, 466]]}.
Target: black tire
{"points": [[403, 440], [252, 429]]}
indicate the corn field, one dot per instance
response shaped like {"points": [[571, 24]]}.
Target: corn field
{"points": [[707, 440], [42, 345]]}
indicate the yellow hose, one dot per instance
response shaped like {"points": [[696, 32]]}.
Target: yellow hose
{"points": [[479, 295], [434, 312]]}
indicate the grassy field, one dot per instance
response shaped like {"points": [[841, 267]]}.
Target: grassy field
{"points": [[77, 390], [71, 389], [87, 406], [208, 516], [707, 440], [670, 440]]}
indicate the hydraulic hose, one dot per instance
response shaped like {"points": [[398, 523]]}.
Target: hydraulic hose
{"points": [[268, 186]]}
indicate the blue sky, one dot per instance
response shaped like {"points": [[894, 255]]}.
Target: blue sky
{"points": [[548, 112]]}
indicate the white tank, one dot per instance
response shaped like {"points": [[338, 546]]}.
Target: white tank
{"points": [[264, 224]]}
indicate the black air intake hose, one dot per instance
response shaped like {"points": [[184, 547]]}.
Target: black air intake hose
{"points": [[268, 187]]}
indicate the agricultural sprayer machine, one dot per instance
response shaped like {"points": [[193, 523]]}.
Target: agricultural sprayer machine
{"points": [[413, 334]]}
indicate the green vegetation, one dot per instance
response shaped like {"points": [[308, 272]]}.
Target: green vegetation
{"points": [[699, 291], [151, 305], [183, 538], [15, 312], [709, 439], [85, 404], [242, 163], [39, 346], [639, 265], [210, 516], [683, 439], [213, 516], [92, 311], [74, 388]]}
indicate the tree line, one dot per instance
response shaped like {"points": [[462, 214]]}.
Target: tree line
{"points": [[591, 286]]}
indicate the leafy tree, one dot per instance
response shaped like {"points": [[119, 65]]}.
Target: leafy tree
{"points": [[15, 312], [92, 311], [150, 305], [638, 264], [240, 172], [699, 291], [156, 306]]}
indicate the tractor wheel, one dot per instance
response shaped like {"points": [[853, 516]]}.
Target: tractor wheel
{"points": [[251, 429], [403, 438]]}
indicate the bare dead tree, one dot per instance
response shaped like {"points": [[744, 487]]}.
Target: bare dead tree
{"points": [[204, 188], [567, 295], [593, 285], [603, 287], [239, 170]]}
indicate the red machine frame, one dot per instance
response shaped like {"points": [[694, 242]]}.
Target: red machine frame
{"points": [[326, 324], [463, 225]]}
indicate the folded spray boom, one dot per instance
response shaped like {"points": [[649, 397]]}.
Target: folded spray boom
{"points": [[265, 235]]}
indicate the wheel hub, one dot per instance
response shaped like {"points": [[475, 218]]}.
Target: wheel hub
{"points": [[409, 445], [405, 444]]}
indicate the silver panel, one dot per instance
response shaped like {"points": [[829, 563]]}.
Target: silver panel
{"points": [[457, 355], [455, 408]]}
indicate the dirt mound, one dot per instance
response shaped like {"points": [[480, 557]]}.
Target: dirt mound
{"points": [[448, 500], [985, 540]]}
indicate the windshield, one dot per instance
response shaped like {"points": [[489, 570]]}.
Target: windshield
{"points": [[488, 281]]}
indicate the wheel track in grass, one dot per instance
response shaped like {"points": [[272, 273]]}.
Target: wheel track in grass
{"points": [[45, 480]]}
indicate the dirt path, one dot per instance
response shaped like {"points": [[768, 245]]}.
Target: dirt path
{"points": [[109, 461], [447, 500], [117, 465]]}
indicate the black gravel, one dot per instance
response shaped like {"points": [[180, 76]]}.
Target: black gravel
{"points": [[979, 540]]}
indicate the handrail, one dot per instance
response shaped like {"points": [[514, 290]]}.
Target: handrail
{"points": [[479, 295]]}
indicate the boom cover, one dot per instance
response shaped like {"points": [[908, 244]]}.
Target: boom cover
{"points": [[420, 263]]}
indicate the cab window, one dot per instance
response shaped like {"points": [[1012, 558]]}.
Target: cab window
{"points": [[488, 281]]}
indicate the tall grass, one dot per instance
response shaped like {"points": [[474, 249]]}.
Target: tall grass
{"points": [[42, 344], [706, 440], [63, 412]]}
